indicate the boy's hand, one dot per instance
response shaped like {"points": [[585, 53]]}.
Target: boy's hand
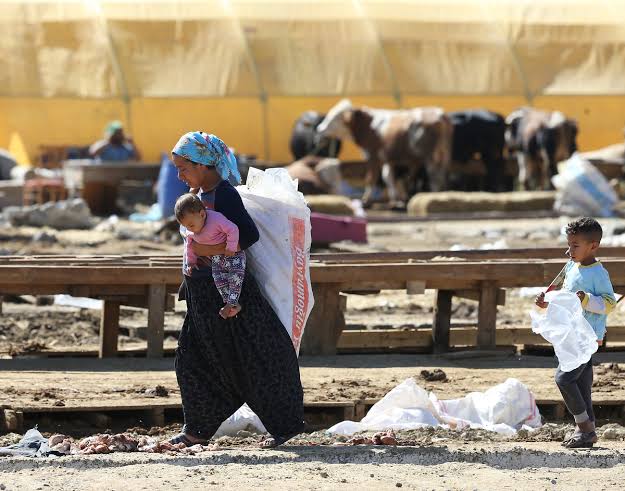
{"points": [[540, 300], [229, 253]]}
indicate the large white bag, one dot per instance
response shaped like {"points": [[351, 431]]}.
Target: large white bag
{"points": [[582, 189], [564, 326], [280, 260]]}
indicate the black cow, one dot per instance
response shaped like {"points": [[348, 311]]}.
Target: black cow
{"points": [[480, 135], [303, 141], [540, 139]]}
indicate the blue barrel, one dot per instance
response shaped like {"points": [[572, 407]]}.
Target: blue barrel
{"points": [[169, 188]]}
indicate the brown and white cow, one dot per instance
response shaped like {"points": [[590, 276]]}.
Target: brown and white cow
{"points": [[410, 139], [540, 140]]}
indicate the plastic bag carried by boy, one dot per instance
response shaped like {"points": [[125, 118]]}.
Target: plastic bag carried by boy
{"points": [[563, 325], [280, 260]]}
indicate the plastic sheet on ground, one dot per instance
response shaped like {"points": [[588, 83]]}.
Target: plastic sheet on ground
{"points": [[563, 324], [505, 408], [32, 444]]}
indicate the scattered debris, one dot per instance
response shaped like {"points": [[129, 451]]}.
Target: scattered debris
{"points": [[436, 375], [60, 215], [158, 391], [381, 438]]}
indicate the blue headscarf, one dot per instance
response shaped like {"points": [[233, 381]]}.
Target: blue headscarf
{"points": [[205, 149]]}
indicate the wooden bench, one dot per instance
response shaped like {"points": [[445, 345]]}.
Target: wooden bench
{"points": [[149, 281]]}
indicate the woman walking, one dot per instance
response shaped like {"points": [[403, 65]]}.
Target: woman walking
{"points": [[223, 363]]}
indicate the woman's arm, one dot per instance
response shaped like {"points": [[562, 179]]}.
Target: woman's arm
{"points": [[210, 250], [229, 203]]}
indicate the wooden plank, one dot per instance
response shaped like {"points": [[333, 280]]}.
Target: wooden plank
{"points": [[156, 320], [325, 323], [109, 329], [442, 321], [487, 316], [353, 339], [470, 254]]}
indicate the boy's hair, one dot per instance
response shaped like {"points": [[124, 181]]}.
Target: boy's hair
{"points": [[586, 226], [187, 203]]}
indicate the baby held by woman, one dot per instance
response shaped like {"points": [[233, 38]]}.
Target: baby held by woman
{"points": [[210, 227]]}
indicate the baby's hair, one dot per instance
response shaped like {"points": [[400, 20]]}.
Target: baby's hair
{"points": [[187, 203], [586, 226]]}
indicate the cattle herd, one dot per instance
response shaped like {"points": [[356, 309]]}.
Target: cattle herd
{"points": [[421, 149]]}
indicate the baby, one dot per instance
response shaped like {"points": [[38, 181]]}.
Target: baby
{"points": [[210, 227]]}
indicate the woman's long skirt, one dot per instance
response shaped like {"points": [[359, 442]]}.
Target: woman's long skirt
{"points": [[223, 363]]}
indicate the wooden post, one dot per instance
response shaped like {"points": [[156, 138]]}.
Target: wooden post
{"points": [[325, 323], [487, 317], [442, 321], [156, 320], [1, 300], [109, 329]]}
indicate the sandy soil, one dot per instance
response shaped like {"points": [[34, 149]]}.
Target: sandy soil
{"points": [[439, 466], [430, 460], [123, 382]]}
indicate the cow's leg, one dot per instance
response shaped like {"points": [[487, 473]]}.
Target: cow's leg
{"points": [[545, 170], [371, 179], [388, 176], [437, 175], [523, 177]]}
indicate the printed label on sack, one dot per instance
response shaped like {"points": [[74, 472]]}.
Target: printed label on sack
{"points": [[300, 290]]}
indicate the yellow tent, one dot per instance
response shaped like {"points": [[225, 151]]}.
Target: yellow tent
{"points": [[245, 69]]}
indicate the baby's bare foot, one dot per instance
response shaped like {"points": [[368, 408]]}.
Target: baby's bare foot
{"points": [[225, 311], [234, 310]]}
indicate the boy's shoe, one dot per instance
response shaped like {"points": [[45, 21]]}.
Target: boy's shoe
{"points": [[581, 440]]}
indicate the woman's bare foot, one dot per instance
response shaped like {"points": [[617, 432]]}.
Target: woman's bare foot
{"points": [[234, 310], [225, 311]]}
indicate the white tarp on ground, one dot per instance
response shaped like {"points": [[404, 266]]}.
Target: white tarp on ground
{"points": [[505, 408]]}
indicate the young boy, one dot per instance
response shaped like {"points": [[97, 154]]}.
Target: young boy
{"points": [[211, 227], [586, 277]]}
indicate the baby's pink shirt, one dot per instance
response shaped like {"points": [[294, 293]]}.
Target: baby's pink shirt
{"points": [[217, 229]]}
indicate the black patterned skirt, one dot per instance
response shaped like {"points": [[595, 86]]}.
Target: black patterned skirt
{"points": [[223, 363]]}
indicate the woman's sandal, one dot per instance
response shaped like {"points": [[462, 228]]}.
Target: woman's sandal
{"points": [[275, 441], [182, 438], [581, 440]]}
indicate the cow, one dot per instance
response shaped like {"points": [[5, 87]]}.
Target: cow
{"points": [[410, 139], [540, 140], [303, 141], [479, 134]]}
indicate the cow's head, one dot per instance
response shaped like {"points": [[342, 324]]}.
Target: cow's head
{"points": [[334, 125], [561, 136]]}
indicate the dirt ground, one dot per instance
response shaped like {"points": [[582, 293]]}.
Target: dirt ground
{"points": [[83, 383], [426, 460], [436, 466]]}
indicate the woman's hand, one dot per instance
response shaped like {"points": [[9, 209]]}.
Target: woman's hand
{"points": [[581, 295]]}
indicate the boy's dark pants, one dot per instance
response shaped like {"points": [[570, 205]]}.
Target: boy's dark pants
{"points": [[576, 387]]}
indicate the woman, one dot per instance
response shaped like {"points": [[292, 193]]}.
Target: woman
{"points": [[223, 363]]}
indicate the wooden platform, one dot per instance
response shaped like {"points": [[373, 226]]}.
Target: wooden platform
{"points": [[149, 281], [335, 388]]}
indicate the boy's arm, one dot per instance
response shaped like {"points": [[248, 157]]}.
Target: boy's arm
{"points": [[604, 301]]}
